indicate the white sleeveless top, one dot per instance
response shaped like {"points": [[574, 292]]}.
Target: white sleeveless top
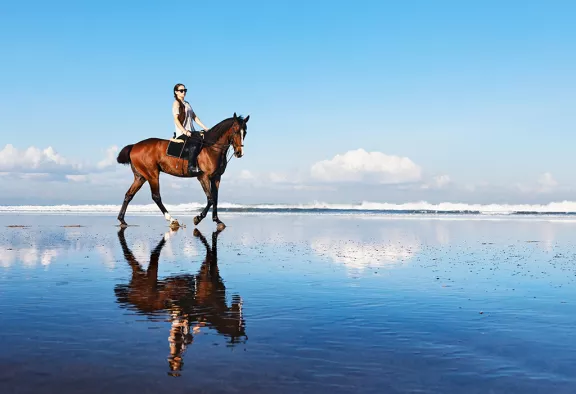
{"points": [[188, 125]]}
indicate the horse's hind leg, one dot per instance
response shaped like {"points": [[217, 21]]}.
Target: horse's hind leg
{"points": [[155, 189], [139, 180]]}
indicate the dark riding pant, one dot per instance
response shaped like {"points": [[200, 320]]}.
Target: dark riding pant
{"points": [[194, 147]]}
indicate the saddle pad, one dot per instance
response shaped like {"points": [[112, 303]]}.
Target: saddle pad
{"points": [[176, 149], [180, 150]]}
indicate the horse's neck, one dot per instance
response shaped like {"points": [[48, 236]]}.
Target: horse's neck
{"points": [[223, 142]]}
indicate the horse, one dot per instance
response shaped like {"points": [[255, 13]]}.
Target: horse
{"points": [[191, 301], [148, 158]]}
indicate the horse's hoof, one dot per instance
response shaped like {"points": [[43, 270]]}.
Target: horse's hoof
{"points": [[175, 225], [196, 220], [220, 226]]}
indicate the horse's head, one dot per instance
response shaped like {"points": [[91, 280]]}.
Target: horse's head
{"points": [[239, 134]]}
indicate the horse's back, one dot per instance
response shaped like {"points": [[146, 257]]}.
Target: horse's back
{"points": [[149, 149], [151, 141], [151, 144]]}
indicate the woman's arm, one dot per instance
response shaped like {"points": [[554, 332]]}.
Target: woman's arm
{"points": [[199, 122], [176, 112]]}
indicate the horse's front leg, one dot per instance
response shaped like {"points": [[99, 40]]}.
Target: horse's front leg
{"points": [[215, 186], [205, 182]]}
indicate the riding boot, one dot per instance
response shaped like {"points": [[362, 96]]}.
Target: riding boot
{"points": [[192, 156]]}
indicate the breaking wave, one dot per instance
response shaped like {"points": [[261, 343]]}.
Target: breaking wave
{"points": [[556, 208]]}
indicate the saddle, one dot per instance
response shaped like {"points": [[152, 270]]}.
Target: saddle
{"points": [[180, 147]]}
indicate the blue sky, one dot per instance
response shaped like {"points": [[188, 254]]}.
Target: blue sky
{"points": [[478, 97]]}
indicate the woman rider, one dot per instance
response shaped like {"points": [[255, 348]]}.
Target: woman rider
{"points": [[183, 117]]}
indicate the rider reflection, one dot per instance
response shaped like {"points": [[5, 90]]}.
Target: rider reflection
{"points": [[191, 301]]}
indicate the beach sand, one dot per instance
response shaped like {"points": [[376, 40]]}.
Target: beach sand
{"points": [[288, 303]]}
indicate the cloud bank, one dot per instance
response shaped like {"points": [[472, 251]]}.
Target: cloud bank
{"points": [[347, 177], [35, 160], [360, 165], [43, 162]]}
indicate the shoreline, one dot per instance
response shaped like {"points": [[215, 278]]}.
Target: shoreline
{"points": [[541, 217]]}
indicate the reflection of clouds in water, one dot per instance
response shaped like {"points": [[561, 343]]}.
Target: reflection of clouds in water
{"points": [[189, 249], [29, 257], [47, 256], [442, 234], [547, 245], [251, 239], [31, 247], [246, 240], [177, 244], [107, 256], [548, 234], [140, 249], [7, 257], [354, 242], [271, 231], [356, 245], [357, 256]]}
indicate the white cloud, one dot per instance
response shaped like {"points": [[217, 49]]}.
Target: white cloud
{"points": [[35, 160], [437, 182], [314, 187], [359, 165], [277, 177], [110, 159], [441, 180], [246, 175], [546, 182], [35, 164], [35, 176], [268, 179], [77, 178]]}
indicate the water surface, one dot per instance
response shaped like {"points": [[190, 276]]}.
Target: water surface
{"points": [[288, 303]]}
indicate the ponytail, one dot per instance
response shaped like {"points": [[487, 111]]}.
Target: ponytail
{"points": [[182, 108]]}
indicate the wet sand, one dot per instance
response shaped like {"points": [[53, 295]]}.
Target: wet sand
{"points": [[288, 303]]}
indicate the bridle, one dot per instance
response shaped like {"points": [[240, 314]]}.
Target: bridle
{"points": [[226, 146]]}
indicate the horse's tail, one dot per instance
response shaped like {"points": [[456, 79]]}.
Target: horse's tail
{"points": [[124, 155]]}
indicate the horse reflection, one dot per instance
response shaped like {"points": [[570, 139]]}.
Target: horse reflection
{"points": [[192, 301]]}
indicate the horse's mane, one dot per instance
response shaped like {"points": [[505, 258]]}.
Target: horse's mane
{"points": [[216, 132]]}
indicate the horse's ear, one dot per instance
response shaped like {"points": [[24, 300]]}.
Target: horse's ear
{"points": [[246, 120], [235, 115]]}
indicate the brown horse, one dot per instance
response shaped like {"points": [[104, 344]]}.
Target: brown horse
{"points": [[148, 158]]}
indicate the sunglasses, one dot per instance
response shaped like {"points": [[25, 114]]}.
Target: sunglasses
{"points": [[182, 90]]}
